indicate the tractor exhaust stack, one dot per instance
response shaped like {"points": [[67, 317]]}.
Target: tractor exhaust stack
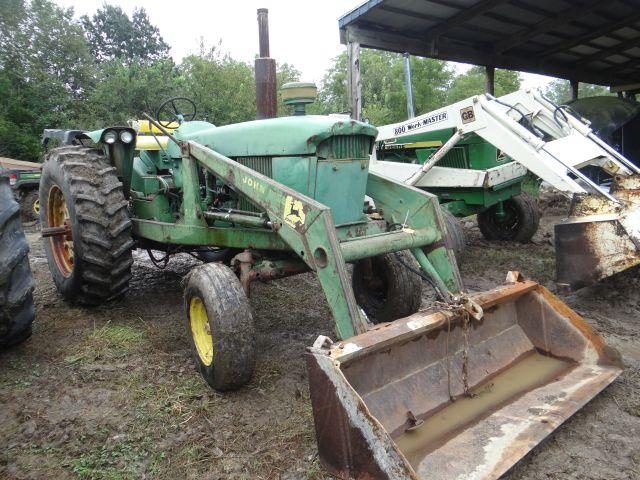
{"points": [[265, 69], [440, 395]]}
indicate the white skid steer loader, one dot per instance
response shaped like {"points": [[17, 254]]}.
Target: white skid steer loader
{"points": [[601, 235]]}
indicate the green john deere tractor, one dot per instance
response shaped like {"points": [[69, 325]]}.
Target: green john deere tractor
{"points": [[277, 197], [269, 198]]}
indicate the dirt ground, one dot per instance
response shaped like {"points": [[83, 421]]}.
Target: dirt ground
{"points": [[111, 392]]}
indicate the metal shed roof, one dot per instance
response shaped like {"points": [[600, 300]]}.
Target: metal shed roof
{"points": [[593, 41]]}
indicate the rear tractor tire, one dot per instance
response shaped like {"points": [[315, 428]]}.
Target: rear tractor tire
{"points": [[80, 192], [16, 282], [518, 223], [456, 235], [220, 326], [385, 288]]}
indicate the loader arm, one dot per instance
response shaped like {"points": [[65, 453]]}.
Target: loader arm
{"points": [[567, 144], [600, 237], [308, 228]]}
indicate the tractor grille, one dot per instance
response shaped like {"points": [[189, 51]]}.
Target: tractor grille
{"points": [[345, 146], [261, 165], [455, 158]]}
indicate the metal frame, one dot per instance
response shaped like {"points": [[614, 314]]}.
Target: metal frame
{"points": [[572, 145], [476, 34], [311, 232]]}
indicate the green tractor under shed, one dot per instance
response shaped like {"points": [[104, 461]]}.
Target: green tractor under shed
{"points": [[505, 205], [283, 196]]}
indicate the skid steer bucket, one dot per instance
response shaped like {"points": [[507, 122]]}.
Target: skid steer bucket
{"points": [[600, 238], [443, 396]]}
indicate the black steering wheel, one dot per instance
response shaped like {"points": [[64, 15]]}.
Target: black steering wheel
{"points": [[174, 109]]}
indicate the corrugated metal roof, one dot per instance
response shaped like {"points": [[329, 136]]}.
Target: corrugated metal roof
{"points": [[594, 41]]}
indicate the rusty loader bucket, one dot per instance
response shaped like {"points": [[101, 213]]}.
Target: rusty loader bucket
{"points": [[600, 238], [441, 395]]}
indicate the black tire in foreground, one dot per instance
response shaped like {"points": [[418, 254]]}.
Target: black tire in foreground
{"points": [[220, 326], [16, 282], [385, 288], [79, 191], [518, 224], [456, 235]]}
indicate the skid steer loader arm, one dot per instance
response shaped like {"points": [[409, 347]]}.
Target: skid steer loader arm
{"points": [[601, 236]]}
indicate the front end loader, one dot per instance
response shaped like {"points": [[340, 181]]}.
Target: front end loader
{"points": [[400, 390], [600, 236]]}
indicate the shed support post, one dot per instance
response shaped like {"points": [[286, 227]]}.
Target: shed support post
{"points": [[575, 85], [408, 86], [490, 75], [353, 79]]}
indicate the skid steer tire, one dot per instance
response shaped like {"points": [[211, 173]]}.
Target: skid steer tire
{"points": [[456, 234], [385, 288], [220, 326], [94, 265], [16, 282], [523, 219]]}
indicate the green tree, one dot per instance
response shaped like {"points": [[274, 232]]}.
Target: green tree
{"points": [[383, 88], [125, 92], [223, 88], [473, 82], [45, 70], [559, 91], [113, 35]]}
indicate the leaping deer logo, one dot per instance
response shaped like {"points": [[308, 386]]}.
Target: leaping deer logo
{"points": [[294, 215]]}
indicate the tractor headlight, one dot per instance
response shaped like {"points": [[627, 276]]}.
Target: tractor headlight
{"points": [[110, 137], [126, 136]]}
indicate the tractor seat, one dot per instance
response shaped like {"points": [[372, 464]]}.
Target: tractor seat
{"points": [[149, 143], [149, 133]]}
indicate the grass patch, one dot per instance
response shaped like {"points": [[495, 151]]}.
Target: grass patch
{"points": [[119, 460], [109, 341]]}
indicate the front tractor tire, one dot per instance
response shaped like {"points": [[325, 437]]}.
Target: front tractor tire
{"points": [[518, 222], [220, 326], [17, 311], [80, 193], [386, 288]]}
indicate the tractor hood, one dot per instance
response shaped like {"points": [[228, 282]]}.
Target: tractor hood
{"points": [[284, 136]]}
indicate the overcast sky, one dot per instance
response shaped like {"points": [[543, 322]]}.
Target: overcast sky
{"points": [[303, 32]]}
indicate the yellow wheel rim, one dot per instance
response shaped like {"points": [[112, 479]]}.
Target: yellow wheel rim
{"points": [[201, 330], [36, 207], [58, 216]]}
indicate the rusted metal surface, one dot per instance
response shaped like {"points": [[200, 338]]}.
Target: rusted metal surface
{"points": [[251, 268], [63, 231], [600, 238], [372, 394], [265, 70], [351, 442], [263, 32]]}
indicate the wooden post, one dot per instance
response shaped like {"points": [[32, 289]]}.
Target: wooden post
{"points": [[575, 86], [354, 85], [490, 75]]}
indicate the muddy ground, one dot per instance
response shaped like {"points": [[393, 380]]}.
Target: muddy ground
{"points": [[111, 392]]}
